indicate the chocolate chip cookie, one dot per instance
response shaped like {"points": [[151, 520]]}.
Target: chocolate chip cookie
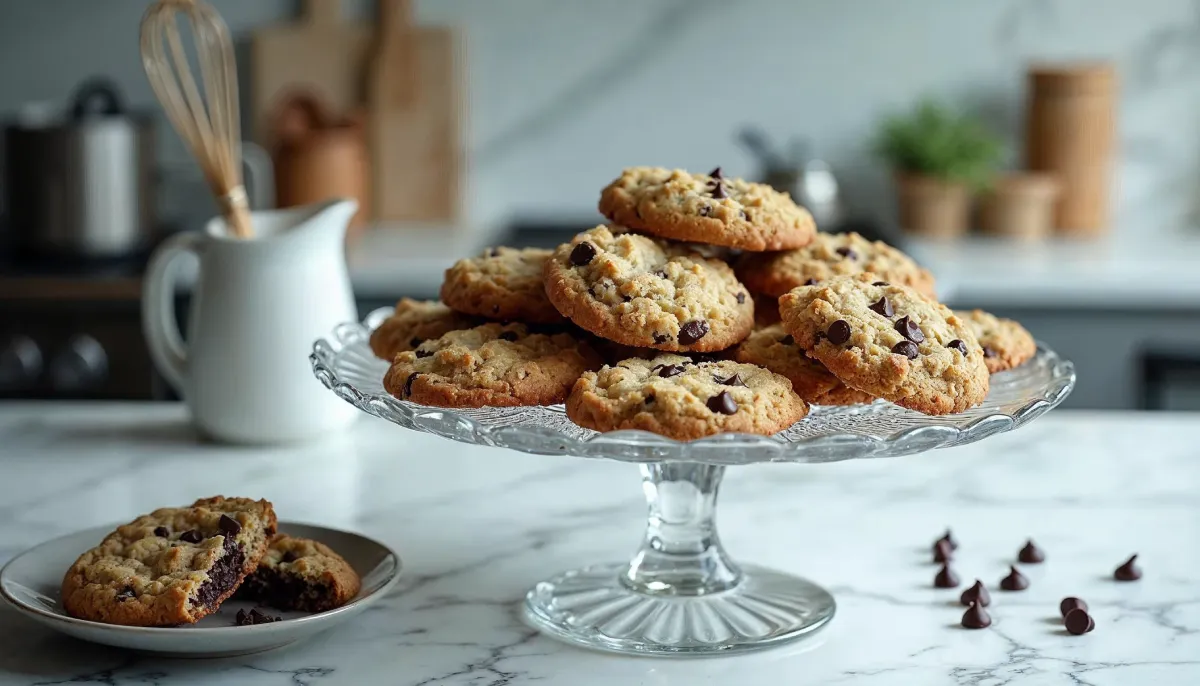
{"points": [[503, 284], [648, 293], [706, 208], [414, 322], [301, 574], [889, 341], [172, 566], [830, 255], [776, 349], [491, 365], [1006, 344], [674, 396]]}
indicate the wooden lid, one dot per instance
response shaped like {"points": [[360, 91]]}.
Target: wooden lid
{"points": [[1086, 78]]}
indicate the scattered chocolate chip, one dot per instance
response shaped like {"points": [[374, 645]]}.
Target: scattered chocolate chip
{"points": [[701, 358], [414, 342], [718, 191], [958, 345], [839, 332], [704, 211], [847, 253], [661, 274], [229, 525], [741, 298], [942, 552], [716, 173], [787, 340], [661, 338], [493, 252], [255, 617], [735, 380], [625, 298], [191, 536], [810, 282], [666, 371], [649, 398], [126, 593], [976, 594], [988, 352], [1078, 622], [880, 283], [883, 307], [909, 329], [949, 539], [1015, 581], [907, 349], [289, 556], [1031, 554], [723, 403], [423, 353], [162, 532], [241, 618], [692, 331], [976, 617], [583, 254], [1128, 571], [945, 578], [1071, 603], [409, 382]]}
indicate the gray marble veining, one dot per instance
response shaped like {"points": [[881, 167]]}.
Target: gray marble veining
{"points": [[476, 527]]}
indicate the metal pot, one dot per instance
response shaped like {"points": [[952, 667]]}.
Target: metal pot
{"points": [[83, 186]]}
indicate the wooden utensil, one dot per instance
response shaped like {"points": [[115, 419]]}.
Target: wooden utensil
{"points": [[320, 53], [415, 119]]}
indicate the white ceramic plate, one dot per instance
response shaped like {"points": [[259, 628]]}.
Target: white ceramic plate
{"points": [[30, 582]]}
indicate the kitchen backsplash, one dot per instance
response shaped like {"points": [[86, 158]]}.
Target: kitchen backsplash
{"points": [[563, 93]]}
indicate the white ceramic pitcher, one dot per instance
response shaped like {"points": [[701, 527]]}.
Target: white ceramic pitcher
{"points": [[257, 307]]}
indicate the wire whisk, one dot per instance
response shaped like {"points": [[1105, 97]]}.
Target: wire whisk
{"points": [[208, 120]]}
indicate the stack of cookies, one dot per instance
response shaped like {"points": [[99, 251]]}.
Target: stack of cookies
{"points": [[669, 294]]}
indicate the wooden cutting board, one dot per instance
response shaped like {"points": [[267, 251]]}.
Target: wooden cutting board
{"points": [[319, 54], [415, 118]]}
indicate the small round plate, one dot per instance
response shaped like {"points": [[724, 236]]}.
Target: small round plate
{"points": [[30, 583]]}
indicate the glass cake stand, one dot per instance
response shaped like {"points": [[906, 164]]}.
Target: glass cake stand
{"points": [[681, 594]]}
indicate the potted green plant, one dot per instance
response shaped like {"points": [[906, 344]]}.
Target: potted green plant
{"points": [[940, 157]]}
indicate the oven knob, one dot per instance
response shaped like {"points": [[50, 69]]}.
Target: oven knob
{"points": [[82, 365], [20, 364]]}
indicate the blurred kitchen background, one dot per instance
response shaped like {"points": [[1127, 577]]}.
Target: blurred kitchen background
{"points": [[508, 117]]}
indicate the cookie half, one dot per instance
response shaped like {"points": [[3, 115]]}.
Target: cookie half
{"points": [[1006, 344], [493, 364], [829, 255], [706, 208], [413, 323], [301, 574], [674, 396], [503, 284], [889, 341], [648, 293], [774, 348], [172, 566]]}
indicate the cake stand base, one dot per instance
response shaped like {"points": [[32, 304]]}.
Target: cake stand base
{"points": [[681, 594]]}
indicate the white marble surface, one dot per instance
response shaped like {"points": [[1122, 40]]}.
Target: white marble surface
{"points": [[477, 526]]}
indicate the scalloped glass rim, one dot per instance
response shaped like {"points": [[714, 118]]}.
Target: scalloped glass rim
{"points": [[345, 364]]}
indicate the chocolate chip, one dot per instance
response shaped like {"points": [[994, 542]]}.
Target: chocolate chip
{"points": [[1071, 603], [414, 342], [949, 539], [126, 593], [742, 214], [649, 398], [583, 254], [704, 211], [883, 307], [241, 618], [1078, 622], [847, 253], [661, 274], [787, 340], [625, 298], [907, 349], [704, 359], [423, 353], [1015, 581], [958, 345], [723, 403], [661, 338], [942, 552], [191, 536], [735, 380], [716, 173], [692, 331], [741, 298], [229, 525], [289, 556], [988, 352], [839, 332], [1128, 571], [976, 594], [976, 617], [508, 336], [718, 191], [909, 329], [1031, 554], [810, 282], [880, 283], [945, 578], [162, 532], [409, 382], [493, 252], [666, 371]]}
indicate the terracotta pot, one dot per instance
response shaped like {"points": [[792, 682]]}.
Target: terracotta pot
{"points": [[1020, 206], [932, 207]]}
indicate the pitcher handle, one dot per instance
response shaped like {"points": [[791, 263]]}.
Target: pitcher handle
{"points": [[159, 324]]}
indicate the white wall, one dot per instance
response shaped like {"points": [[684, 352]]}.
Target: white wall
{"points": [[563, 93]]}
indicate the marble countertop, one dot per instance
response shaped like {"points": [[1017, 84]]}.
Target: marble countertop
{"points": [[477, 526]]}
